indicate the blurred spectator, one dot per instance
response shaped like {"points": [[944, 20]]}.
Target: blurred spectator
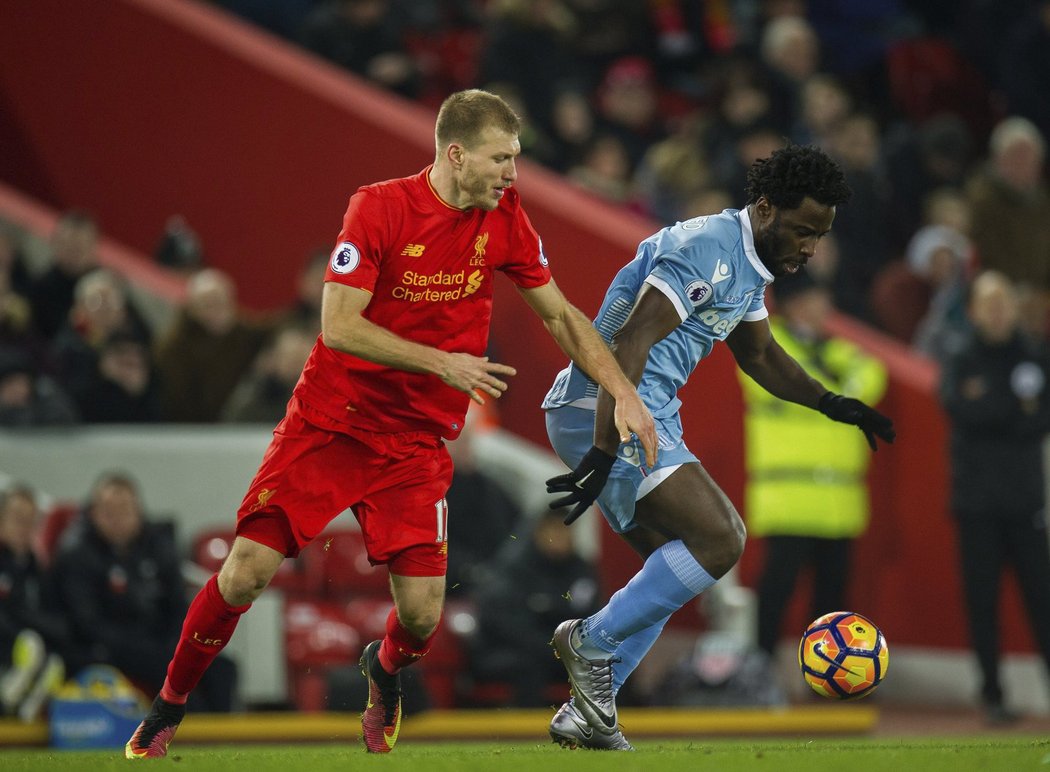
{"points": [[34, 637], [807, 491], [1024, 65], [207, 351], [758, 140], [855, 36], [535, 144], [1035, 308], [262, 395], [525, 43], [16, 312], [1011, 205], [981, 27], [179, 247], [628, 107], [607, 30], [118, 577], [687, 35], [823, 104], [790, 47], [790, 50], [918, 161], [73, 244], [605, 169], [860, 226], [825, 261], [572, 127], [994, 390], [12, 261], [709, 201], [941, 254], [101, 306], [305, 310], [28, 398], [529, 585], [481, 512], [123, 386], [673, 173], [744, 103], [365, 37]]}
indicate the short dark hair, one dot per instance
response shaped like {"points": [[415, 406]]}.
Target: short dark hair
{"points": [[794, 172], [464, 115], [16, 491], [115, 479]]}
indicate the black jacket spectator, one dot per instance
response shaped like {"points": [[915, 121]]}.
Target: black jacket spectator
{"points": [[531, 585], [28, 398], [997, 436], [26, 601], [119, 580], [997, 394]]}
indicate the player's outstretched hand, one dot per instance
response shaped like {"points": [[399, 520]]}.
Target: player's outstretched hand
{"points": [[583, 484], [632, 416], [473, 374], [853, 411]]}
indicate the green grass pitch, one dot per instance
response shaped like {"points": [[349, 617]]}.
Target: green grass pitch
{"points": [[928, 755]]}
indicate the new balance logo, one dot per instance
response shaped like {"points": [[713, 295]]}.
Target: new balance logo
{"points": [[413, 250], [721, 272]]}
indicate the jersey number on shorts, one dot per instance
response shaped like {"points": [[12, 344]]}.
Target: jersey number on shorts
{"points": [[441, 510]]}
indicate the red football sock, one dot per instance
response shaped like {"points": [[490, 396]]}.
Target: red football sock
{"points": [[209, 624], [400, 648]]}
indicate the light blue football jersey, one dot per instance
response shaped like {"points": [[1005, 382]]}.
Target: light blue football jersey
{"points": [[708, 268]]}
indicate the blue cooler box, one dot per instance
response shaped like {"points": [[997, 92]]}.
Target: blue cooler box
{"points": [[98, 709]]}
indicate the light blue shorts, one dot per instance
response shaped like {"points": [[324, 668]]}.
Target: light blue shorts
{"points": [[571, 432]]}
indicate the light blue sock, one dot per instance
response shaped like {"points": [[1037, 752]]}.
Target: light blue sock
{"points": [[669, 579], [632, 651]]}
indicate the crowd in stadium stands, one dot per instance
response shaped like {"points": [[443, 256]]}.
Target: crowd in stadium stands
{"points": [[656, 106], [75, 348], [97, 583], [936, 110]]}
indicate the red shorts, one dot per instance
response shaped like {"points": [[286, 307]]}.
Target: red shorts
{"points": [[395, 484]]}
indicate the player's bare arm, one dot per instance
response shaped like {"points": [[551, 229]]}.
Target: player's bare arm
{"points": [[577, 337], [652, 319], [344, 329], [772, 368], [761, 357]]}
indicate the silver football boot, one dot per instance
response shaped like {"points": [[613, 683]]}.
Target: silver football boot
{"points": [[570, 730], [591, 679]]}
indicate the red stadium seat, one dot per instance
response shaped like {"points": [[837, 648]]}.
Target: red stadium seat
{"points": [[56, 520], [317, 637], [321, 635], [298, 576], [444, 666], [368, 616]]}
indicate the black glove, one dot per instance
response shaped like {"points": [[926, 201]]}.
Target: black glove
{"points": [[583, 484], [853, 411]]}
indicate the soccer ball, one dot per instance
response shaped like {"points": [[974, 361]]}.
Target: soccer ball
{"points": [[843, 655]]}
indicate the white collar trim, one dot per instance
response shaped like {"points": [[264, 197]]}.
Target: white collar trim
{"points": [[749, 246]]}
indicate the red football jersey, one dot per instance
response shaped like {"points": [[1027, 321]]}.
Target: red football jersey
{"points": [[430, 268]]}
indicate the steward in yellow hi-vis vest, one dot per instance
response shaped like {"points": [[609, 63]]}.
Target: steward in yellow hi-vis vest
{"points": [[807, 487]]}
